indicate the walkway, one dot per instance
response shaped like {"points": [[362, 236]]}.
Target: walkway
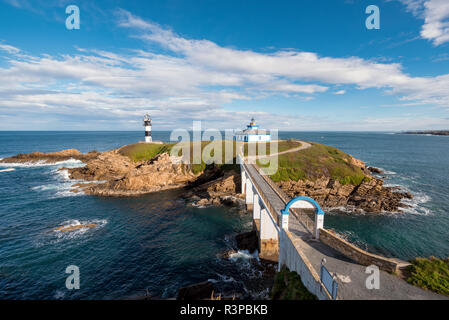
{"points": [[351, 276], [304, 145]]}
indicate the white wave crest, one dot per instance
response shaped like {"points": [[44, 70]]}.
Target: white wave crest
{"points": [[75, 222], [56, 236], [385, 171], [223, 278], [244, 255], [7, 170], [70, 163], [415, 204], [62, 188]]}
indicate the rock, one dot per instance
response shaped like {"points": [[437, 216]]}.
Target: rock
{"points": [[247, 241], [198, 291], [76, 227], [51, 157], [125, 178], [370, 196], [375, 170], [215, 188]]}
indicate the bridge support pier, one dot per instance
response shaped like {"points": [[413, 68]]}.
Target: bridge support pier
{"points": [[268, 235], [256, 207], [249, 194], [243, 175]]}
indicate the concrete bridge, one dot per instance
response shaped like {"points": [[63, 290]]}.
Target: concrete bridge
{"points": [[330, 267]]}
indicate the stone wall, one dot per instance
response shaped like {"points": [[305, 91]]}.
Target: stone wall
{"points": [[358, 255], [291, 256]]}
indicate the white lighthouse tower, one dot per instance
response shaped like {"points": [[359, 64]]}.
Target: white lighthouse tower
{"points": [[147, 125]]}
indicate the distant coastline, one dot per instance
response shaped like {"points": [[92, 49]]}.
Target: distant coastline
{"points": [[429, 132]]}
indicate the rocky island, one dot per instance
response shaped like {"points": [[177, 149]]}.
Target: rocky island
{"points": [[429, 132], [330, 176]]}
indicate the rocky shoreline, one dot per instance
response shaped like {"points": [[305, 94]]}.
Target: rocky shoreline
{"points": [[113, 174]]}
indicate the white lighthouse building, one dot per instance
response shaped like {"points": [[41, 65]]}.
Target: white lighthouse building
{"points": [[147, 125], [252, 133]]}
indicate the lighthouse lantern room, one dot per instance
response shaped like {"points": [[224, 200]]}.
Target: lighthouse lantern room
{"points": [[147, 125], [252, 133]]}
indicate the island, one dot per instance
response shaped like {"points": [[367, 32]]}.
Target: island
{"points": [[332, 177], [429, 132]]}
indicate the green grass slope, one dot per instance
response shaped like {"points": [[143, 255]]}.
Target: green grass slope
{"points": [[318, 161], [431, 274], [146, 151]]}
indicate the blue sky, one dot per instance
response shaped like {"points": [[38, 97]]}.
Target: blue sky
{"points": [[293, 65]]}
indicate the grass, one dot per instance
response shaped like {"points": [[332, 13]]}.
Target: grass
{"points": [[147, 151], [431, 274], [288, 286], [318, 161]]}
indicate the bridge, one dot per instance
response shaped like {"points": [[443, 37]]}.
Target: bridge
{"points": [[330, 267]]}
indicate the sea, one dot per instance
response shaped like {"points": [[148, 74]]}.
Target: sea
{"points": [[156, 243]]}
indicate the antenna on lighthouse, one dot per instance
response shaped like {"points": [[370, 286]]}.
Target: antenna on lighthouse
{"points": [[147, 125]]}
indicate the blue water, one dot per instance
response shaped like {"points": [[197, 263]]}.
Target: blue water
{"points": [[156, 242]]}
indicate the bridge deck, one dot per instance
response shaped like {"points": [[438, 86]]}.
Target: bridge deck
{"points": [[351, 276]]}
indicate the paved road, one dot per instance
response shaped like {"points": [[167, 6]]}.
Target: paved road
{"points": [[351, 276]]}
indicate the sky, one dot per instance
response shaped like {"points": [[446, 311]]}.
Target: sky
{"points": [[293, 65]]}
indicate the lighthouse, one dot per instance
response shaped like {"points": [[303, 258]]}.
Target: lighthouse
{"points": [[147, 125]]}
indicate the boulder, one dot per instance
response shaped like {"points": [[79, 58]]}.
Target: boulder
{"points": [[247, 241], [198, 291]]}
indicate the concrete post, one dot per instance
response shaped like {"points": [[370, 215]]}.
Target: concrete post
{"points": [[256, 207], [284, 221], [319, 224]]}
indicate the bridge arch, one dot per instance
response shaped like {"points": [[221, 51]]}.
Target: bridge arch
{"points": [[291, 204], [294, 203]]}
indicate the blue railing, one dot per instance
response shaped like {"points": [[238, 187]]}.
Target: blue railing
{"points": [[329, 282]]}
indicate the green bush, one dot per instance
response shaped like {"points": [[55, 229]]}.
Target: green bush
{"points": [[288, 286], [431, 274]]}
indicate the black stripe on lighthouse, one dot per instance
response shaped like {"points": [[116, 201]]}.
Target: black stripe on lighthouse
{"points": [[147, 133]]}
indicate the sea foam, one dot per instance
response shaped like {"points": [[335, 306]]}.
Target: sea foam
{"points": [[70, 163]]}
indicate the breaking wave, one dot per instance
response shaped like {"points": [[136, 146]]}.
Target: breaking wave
{"points": [[7, 170], [71, 163], [54, 236], [415, 204], [62, 187]]}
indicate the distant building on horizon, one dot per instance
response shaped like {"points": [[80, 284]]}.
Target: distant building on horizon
{"points": [[252, 133]]}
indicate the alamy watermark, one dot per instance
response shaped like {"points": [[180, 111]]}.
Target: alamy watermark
{"points": [[191, 147], [73, 280], [373, 20], [73, 20], [373, 280]]}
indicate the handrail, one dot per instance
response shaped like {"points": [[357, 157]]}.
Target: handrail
{"points": [[270, 208], [300, 216]]}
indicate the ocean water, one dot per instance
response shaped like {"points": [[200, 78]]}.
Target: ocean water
{"points": [[157, 243]]}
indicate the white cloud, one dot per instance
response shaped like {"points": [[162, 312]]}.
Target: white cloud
{"points": [[436, 25], [292, 66], [8, 48], [436, 18], [193, 80]]}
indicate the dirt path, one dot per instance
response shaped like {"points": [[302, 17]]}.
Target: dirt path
{"points": [[304, 145]]}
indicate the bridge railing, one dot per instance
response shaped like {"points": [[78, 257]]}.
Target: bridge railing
{"points": [[299, 214], [267, 203]]}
